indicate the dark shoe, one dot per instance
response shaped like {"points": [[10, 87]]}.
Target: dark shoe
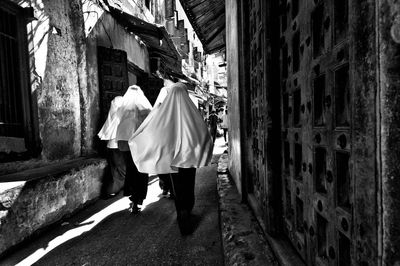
{"points": [[108, 196], [133, 208]]}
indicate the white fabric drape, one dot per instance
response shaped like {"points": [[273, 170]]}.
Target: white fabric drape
{"points": [[125, 115], [133, 110], [173, 135], [109, 129]]}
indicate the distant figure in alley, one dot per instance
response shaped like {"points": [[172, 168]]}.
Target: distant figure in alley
{"points": [[213, 124]]}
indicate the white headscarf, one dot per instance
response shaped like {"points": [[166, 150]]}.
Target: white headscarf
{"points": [[173, 135], [125, 115], [109, 129], [133, 110]]}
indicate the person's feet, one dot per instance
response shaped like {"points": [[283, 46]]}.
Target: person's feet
{"points": [[134, 208]]}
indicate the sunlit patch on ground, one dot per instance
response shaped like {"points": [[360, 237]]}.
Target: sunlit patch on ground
{"points": [[122, 204]]}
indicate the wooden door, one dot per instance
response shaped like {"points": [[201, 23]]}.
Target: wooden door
{"points": [[318, 153], [113, 77]]}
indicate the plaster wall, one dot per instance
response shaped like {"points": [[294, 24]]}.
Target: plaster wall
{"points": [[232, 55]]}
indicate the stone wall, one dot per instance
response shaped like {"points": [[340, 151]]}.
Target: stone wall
{"points": [[232, 57], [389, 93], [32, 205]]}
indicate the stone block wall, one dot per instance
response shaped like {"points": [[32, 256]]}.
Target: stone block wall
{"points": [[35, 204]]}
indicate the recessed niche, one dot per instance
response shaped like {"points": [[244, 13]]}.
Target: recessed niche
{"points": [[299, 215], [342, 97], [318, 35], [285, 63], [321, 185], [322, 226], [319, 97], [297, 160], [285, 108], [295, 8], [344, 250], [286, 155], [296, 51], [343, 179], [296, 108], [341, 13]]}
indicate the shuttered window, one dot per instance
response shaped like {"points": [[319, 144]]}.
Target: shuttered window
{"points": [[18, 138], [11, 122]]}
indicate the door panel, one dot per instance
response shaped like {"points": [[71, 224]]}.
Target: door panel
{"points": [[316, 126], [113, 77]]}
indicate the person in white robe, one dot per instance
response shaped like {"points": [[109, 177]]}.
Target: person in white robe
{"points": [[174, 139], [130, 114], [114, 178]]}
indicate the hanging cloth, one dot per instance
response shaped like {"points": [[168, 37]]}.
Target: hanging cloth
{"points": [[173, 135]]}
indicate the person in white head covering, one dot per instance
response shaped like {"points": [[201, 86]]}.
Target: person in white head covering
{"points": [[114, 180], [130, 114], [174, 140]]}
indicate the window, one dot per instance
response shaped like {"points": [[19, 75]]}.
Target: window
{"points": [[15, 105]]}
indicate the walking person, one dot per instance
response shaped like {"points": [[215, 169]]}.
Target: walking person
{"points": [[115, 177], [225, 124], [174, 140], [213, 124], [134, 109], [130, 114]]}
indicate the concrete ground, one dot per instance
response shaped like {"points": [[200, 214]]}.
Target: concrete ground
{"points": [[105, 233]]}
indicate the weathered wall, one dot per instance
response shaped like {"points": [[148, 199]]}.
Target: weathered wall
{"points": [[389, 79], [38, 203], [232, 57]]}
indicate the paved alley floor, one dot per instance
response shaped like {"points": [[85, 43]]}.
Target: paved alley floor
{"points": [[105, 233]]}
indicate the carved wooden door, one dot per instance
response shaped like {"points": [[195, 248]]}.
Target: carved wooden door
{"points": [[113, 76], [258, 101], [316, 120]]}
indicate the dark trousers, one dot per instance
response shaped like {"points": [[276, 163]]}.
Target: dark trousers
{"points": [[136, 183], [115, 177], [213, 132], [165, 182], [225, 131], [183, 185]]}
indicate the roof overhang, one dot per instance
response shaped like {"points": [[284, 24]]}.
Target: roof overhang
{"points": [[154, 36], [208, 20]]}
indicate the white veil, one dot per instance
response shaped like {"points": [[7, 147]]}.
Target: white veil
{"points": [[109, 129], [125, 115], [173, 135]]}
